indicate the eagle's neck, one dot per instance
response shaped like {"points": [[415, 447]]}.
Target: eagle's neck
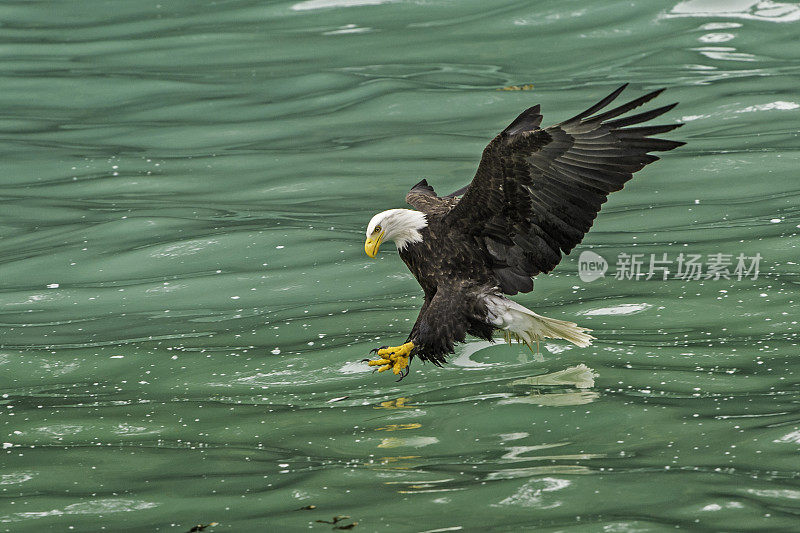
{"points": [[403, 226]]}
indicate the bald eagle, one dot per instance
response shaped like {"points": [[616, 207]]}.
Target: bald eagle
{"points": [[534, 196]]}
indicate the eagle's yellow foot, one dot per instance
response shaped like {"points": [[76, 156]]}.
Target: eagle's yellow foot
{"points": [[394, 357]]}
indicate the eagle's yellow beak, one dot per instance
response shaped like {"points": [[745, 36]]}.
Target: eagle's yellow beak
{"points": [[373, 243]]}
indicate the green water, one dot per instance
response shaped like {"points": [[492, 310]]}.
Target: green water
{"points": [[185, 297]]}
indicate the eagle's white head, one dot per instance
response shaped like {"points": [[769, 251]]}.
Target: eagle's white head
{"points": [[399, 225]]}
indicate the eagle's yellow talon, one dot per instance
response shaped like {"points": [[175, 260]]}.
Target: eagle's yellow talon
{"points": [[400, 364], [395, 358]]}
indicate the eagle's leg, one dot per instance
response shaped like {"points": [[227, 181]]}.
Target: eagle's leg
{"points": [[394, 357]]}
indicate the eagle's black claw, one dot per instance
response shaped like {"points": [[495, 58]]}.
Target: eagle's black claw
{"points": [[404, 373], [375, 350]]}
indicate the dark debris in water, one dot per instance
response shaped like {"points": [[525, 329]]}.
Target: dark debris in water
{"points": [[336, 519], [202, 527], [339, 518]]}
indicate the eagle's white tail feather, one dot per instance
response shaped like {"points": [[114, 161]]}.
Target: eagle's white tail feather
{"points": [[530, 327]]}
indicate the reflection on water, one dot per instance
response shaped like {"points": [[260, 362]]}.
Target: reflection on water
{"points": [[578, 377], [534, 493], [411, 442], [554, 399], [91, 507], [581, 377], [745, 9]]}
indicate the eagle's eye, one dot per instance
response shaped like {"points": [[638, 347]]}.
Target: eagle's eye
{"points": [[377, 229]]}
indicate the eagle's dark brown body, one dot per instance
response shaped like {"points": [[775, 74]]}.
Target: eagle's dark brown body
{"points": [[460, 291]]}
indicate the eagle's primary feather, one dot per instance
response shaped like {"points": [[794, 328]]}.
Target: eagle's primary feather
{"points": [[534, 196]]}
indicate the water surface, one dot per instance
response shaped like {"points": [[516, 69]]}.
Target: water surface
{"points": [[185, 296]]}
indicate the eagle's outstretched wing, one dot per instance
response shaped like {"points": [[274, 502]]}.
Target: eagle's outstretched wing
{"points": [[537, 191]]}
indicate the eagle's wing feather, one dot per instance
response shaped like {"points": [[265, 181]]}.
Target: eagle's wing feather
{"points": [[423, 198], [537, 191]]}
